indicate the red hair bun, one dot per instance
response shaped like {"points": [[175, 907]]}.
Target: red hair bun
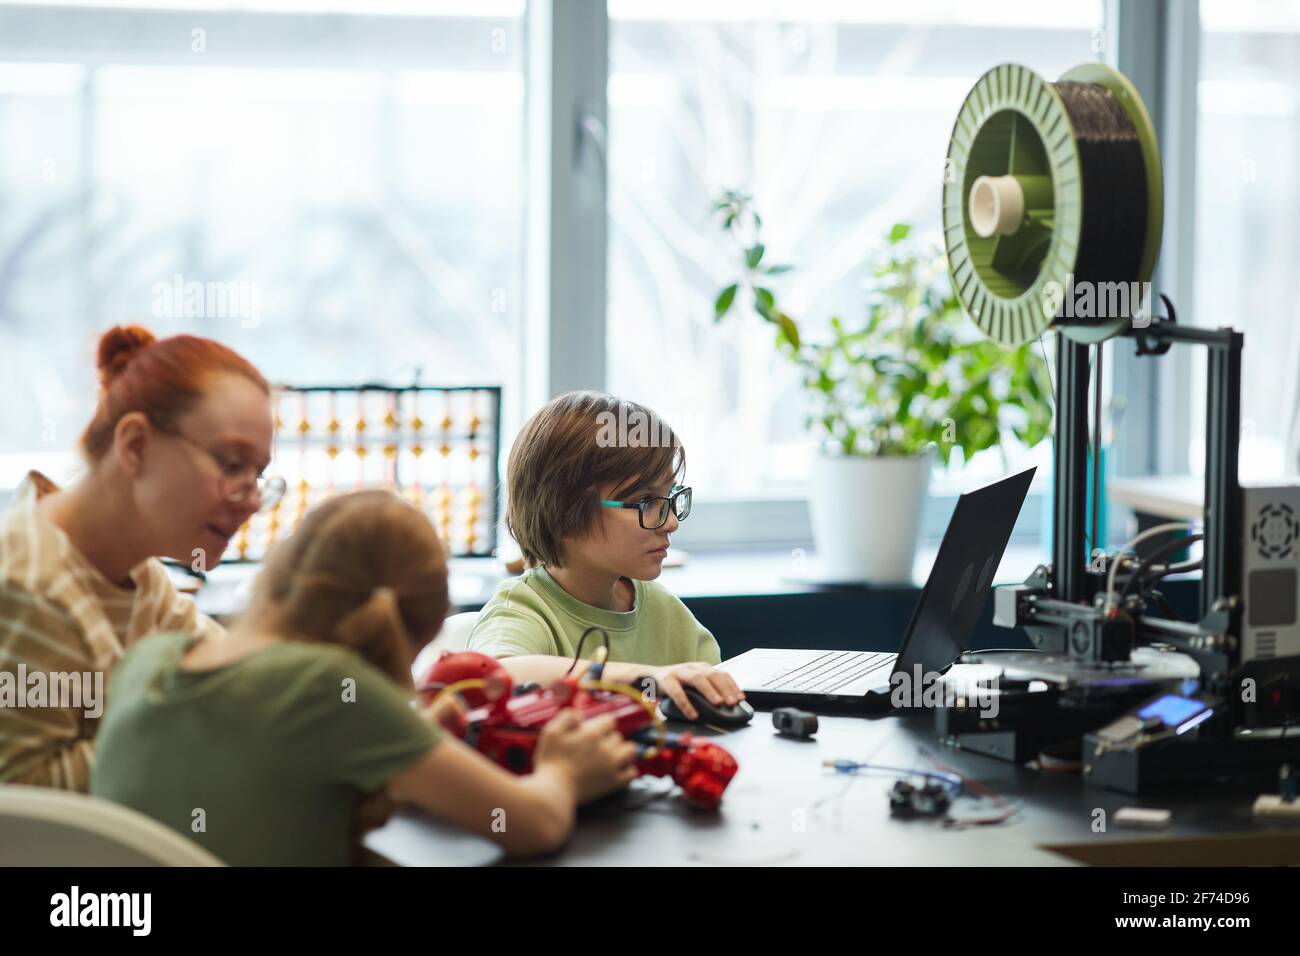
{"points": [[118, 346], [163, 378]]}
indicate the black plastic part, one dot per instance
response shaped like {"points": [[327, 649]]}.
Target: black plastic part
{"points": [[1070, 470], [793, 722], [1189, 761]]}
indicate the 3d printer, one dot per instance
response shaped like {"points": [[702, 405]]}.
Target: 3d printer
{"points": [[1053, 188]]}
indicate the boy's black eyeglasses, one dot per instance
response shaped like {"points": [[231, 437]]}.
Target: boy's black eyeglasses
{"points": [[653, 512]]}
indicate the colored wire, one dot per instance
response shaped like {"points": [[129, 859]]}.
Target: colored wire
{"points": [[628, 690], [577, 655], [457, 686], [1132, 543], [950, 780]]}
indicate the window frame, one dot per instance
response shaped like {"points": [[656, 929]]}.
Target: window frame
{"points": [[566, 70], [560, 311]]}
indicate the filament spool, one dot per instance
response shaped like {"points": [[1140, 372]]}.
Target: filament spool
{"points": [[1047, 186]]}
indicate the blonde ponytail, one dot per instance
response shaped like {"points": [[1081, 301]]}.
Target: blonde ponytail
{"points": [[365, 570], [375, 629]]}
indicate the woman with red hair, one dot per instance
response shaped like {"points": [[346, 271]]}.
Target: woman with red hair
{"points": [[175, 453]]}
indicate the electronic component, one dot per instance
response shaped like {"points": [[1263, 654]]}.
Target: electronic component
{"points": [[1142, 818], [1177, 713], [1034, 170], [505, 726], [931, 799], [1270, 553], [793, 722], [716, 715], [1271, 805], [1282, 804], [1168, 712]]}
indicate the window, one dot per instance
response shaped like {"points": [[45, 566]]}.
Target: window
{"points": [[835, 116], [1247, 244], [341, 205]]}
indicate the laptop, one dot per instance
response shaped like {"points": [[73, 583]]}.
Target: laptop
{"points": [[856, 682]]}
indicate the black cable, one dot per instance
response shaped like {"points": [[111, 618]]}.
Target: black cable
{"points": [[1169, 547], [577, 655], [1163, 603]]}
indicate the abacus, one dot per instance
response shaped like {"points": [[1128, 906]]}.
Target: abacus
{"points": [[436, 446]]}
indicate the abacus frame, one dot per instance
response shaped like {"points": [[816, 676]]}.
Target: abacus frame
{"points": [[493, 492]]}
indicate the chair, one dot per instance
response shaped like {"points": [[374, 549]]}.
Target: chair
{"points": [[40, 826]]}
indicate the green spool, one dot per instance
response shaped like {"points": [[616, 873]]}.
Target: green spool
{"points": [[1013, 143]]}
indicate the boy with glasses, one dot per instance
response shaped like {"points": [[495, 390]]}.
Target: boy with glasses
{"points": [[592, 504]]}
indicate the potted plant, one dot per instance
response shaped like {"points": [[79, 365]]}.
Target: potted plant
{"points": [[909, 379]]}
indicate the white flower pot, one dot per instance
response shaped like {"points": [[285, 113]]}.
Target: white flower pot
{"points": [[866, 516]]}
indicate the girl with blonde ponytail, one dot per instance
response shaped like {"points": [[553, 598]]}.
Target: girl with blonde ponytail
{"points": [[288, 733]]}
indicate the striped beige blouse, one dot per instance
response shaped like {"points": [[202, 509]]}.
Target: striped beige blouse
{"points": [[63, 626]]}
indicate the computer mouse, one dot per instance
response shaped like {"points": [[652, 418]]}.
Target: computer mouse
{"points": [[722, 716]]}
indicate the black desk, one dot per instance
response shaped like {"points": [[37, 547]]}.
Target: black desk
{"points": [[784, 809]]}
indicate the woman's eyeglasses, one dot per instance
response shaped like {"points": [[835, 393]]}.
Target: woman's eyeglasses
{"points": [[653, 512], [240, 480]]}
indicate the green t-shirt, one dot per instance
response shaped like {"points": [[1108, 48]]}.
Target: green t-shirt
{"points": [[274, 748], [534, 615]]}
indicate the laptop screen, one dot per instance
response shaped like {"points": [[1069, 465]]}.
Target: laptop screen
{"points": [[968, 558]]}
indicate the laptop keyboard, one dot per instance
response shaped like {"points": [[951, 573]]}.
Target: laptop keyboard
{"points": [[829, 672]]}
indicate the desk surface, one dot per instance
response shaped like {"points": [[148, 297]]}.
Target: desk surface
{"points": [[1176, 497], [784, 809]]}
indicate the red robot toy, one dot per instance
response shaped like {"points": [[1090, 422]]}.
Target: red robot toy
{"points": [[503, 722]]}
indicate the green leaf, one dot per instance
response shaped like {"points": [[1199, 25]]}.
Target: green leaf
{"points": [[789, 330], [723, 303], [908, 373]]}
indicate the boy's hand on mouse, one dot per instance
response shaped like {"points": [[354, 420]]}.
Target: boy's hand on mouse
{"points": [[718, 687], [591, 753]]}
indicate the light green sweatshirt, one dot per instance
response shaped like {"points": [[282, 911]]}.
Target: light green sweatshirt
{"points": [[532, 614]]}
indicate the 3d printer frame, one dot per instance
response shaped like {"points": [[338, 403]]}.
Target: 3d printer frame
{"points": [[1063, 616], [1062, 610]]}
